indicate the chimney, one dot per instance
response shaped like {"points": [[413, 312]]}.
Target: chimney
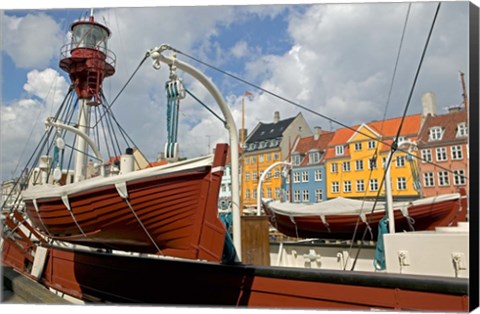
{"points": [[316, 132], [453, 109], [276, 117], [429, 104]]}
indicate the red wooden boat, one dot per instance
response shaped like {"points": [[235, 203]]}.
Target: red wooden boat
{"points": [[170, 210], [339, 218]]}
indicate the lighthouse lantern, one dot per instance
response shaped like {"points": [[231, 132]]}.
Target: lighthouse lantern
{"points": [[87, 60]]}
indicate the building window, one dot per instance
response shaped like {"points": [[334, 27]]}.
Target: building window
{"points": [[269, 157], [305, 176], [276, 156], [254, 175], [296, 159], [277, 173], [428, 179], [462, 129], [441, 153], [314, 157], [254, 159], [426, 155], [287, 196], [318, 195], [358, 165], [247, 160], [318, 175], [372, 163], [360, 186], [443, 178], [247, 176], [334, 168], [358, 146], [335, 187], [339, 150], [372, 144], [401, 184], [306, 196], [400, 161], [459, 177], [277, 192], [347, 186], [254, 194], [457, 152], [373, 184], [296, 177], [435, 133], [296, 196], [269, 193], [260, 158], [346, 166]]}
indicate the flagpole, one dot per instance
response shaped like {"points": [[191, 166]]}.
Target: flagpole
{"points": [[242, 165]]}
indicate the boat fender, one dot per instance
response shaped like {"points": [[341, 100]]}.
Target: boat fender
{"points": [[379, 260], [122, 189], [325, 223]]}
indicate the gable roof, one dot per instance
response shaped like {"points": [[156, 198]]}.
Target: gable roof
{"points": [[448, 122], [387, 129], [309, 143], [268, 131]]}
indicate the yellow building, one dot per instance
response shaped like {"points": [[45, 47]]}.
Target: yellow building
{"points": [[355, 159], [268, 143]]}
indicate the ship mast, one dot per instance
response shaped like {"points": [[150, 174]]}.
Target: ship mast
{"points": [[87, 61]]}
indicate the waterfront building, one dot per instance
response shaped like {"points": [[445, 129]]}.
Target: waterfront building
{"points": [[355, 159], [307, 179], [443, 146], [267, 144]]}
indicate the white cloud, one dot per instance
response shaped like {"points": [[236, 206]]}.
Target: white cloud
{"points": [[339, 64], [240, 49], [48, 85], [32, 40]]}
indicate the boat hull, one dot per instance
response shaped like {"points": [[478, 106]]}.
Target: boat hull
{"points": [[173, 214], [101, 277], [351, 227]]}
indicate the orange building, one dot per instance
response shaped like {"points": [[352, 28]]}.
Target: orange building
{"points": [[269, 143]]}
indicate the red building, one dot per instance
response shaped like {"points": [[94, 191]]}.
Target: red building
{"points": [[443, 148]]}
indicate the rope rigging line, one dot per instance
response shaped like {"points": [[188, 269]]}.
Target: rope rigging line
{"points": [[394, 145], [124, 134], [303, 107], [395, 67], [125, 85], [206, 107]]}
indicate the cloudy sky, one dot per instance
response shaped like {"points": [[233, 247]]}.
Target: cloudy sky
{"points": [[335, 59]]}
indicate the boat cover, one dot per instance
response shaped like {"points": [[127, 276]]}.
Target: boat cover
{"points": [[346, 206]]}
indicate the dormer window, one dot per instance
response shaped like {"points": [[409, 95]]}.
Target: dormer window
{"points": [[296, 159], [462, 129], [339, 150], [314, 157], [435, 134]]}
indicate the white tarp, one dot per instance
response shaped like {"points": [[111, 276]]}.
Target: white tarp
{"points": [[346, 206]]}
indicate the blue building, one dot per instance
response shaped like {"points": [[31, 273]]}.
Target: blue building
{"points": [[307, 179]]}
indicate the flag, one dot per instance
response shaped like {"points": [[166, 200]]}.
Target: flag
{"points": [[248, 95]]}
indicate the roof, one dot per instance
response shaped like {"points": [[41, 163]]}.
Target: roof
{"points": [[448, 122], [269, 134], [385, 128], [309, 143], [267, 131]]}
